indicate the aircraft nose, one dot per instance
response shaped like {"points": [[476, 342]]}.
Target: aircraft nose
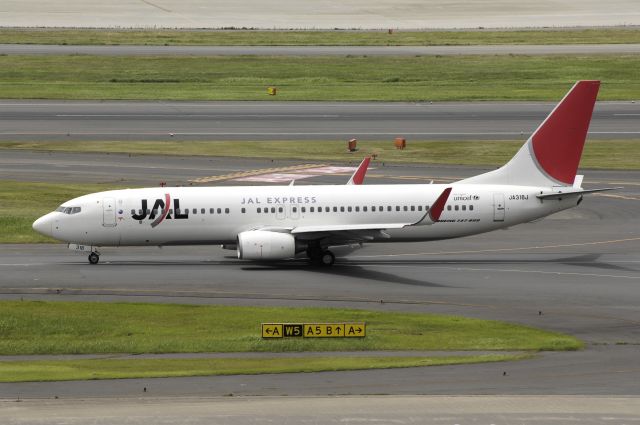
{"points": [[43, 225]]}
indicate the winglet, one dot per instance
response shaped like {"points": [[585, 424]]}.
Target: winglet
{"points": [[358, 175], [436, 209], [433, 213]]}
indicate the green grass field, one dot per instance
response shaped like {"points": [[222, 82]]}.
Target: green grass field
{"points": [[35, 327], [602, 154], [321, 38], [65, 370], [447, 78]]}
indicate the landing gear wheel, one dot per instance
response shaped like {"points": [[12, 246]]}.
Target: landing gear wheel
{"points": [[94, 257], [327, 259]]}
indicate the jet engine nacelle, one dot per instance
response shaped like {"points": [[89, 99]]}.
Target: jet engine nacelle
{"points": [[265, 245]]}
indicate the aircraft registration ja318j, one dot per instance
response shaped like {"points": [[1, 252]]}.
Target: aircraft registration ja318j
{"points": [[279, 222]]}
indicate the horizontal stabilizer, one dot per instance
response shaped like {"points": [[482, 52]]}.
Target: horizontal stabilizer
{"points": [[570, 192]]}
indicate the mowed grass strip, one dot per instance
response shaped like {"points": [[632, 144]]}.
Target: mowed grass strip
{"points": [[337, 78], [317, 38], [21, 203], [602, 154], [36, 327], [66, 370]]}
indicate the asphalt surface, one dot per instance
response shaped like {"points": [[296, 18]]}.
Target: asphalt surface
{"points": [[136, 50], [575, 272], [331, 14], [330, 410], [77, 120]]}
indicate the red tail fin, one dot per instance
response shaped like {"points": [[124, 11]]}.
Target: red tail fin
{"points": [[552, 153], [558, 142]]}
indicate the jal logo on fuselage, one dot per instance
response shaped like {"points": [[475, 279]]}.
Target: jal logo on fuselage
{"points": [[161, 210]]}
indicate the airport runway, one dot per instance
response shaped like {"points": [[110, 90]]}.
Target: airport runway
{"points": [[576, 272], [133, 50], [331, 14], [82, 120]]}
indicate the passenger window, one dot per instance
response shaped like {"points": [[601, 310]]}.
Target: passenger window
{"points": [[405, 208], [311, 209], [388, 207], [202, 210], [464, 208], [357, 209], [294, 209], [219, 210], [448, 207], [133, 212], [373, 208], [456, 208], [226, 210], [327, 209], [243, 210], [335, 209], [274, 210], [303, 209], [413, 208], [419, 207], [470, 207], [211, 210], [341, 209], [195, 211], [397, 208], [266, 210], [259, 210], [348, 209], [364, 209]]}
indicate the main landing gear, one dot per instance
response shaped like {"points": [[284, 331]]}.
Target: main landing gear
{"points": [[94, 257], [320, 257]]}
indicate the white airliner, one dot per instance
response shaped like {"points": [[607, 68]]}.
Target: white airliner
{"points": [[278, 222]]}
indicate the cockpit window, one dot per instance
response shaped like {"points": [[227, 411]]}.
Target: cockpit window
{"points": [[68, 210]]}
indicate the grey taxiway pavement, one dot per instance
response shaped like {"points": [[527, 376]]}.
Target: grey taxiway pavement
{"points": [[80, 120], [576, 272]]}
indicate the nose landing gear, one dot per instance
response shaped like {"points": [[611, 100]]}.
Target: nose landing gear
{"points": [[94, 257]]}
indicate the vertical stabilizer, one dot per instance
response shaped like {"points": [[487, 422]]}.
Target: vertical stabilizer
{"points": [[552, 154]]}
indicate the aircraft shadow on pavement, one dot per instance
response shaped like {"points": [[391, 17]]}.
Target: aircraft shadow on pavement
{"points": [[346, 271], [586, 260]]}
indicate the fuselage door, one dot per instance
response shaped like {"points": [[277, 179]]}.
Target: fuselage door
{"points": [[498, 207], [108, 212]]}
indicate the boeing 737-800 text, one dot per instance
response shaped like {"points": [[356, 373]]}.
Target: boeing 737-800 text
{"points": [[278, 222]]}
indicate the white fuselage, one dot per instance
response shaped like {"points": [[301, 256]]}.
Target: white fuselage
{"points": [[216, 215]]}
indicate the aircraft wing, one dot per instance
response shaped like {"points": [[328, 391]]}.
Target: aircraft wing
{"points": [[368, 231]]}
